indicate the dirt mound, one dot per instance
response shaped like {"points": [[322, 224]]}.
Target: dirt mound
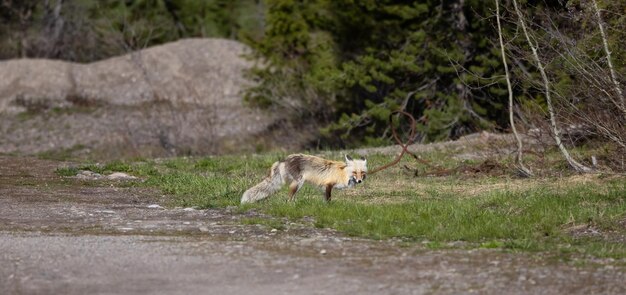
{"points": [[178, 98]]}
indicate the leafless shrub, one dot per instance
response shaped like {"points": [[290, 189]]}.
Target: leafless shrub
{"points": [[547, 92], [594, 100], [580, 81]]}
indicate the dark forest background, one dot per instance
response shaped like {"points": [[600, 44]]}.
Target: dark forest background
{"points": [[343, 66]]}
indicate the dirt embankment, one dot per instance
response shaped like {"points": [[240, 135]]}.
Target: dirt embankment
{"points": [[179, 98]]}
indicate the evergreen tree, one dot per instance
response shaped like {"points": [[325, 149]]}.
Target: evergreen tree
{"points": [[90, 30], [364, 59]]}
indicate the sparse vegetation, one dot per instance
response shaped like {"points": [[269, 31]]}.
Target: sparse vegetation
{"points": [[571, 214], [67, 171], [114, 166]]}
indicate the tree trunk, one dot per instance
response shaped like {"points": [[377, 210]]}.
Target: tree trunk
{"points": [[618, 89], [520, 165], [53, 29]]}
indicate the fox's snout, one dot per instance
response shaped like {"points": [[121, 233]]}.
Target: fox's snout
{"points": [[359, 176], [354, 180]]}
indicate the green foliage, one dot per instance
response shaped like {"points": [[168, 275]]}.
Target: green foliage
{"points": [[88, 30], [345, 65], [151, 22], [351, 63], [380, 56], [297, 59]]}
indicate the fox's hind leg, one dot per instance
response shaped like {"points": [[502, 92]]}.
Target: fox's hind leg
{"points": [[294, 187]]}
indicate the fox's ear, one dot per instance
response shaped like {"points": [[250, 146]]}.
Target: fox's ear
{"points": [[348, 158], [363, 158]]}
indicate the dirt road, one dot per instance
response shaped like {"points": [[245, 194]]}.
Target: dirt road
{"points": [[60, 236]]}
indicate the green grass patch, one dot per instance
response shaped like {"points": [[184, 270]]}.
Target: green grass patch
{"points": [[534, 215], [67, 171], [481, 211], [138, 168]]}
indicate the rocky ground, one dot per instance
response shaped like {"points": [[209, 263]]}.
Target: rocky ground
{"points": [[80, 236], [180, 98]]}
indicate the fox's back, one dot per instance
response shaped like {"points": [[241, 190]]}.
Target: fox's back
{"points": [[315, 170]]}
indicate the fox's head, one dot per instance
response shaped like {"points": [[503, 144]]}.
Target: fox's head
{"points": [[357, 170]]}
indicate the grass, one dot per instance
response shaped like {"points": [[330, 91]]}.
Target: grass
{"points": [[550, 214], [108, 168]]}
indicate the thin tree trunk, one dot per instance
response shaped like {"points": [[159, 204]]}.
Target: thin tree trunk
{"points": [[618, 89], [520, 165], [555, 131], [53, 30]]}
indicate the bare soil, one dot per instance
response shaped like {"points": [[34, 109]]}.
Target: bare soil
{"points": [[70, 236]]}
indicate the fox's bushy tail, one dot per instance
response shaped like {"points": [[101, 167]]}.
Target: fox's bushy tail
{"points": [[268, 186]]}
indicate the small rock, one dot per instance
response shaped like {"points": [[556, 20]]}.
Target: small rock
{"points": [[203, 229], [155, 206], [106, 211], [120, 176], [274, 230], [189, 209], [186, 223], [86, 174], [323, 251], [126, 228]]}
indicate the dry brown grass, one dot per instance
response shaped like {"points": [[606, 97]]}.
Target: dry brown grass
{"points": [[396, 190]]}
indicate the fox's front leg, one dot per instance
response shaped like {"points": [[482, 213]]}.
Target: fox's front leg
{"points": [[329, 189]]}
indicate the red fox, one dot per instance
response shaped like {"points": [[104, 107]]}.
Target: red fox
{"points": [[298, 168]]}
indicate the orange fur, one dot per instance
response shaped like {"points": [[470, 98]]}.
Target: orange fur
{"points": [[297, 169]]}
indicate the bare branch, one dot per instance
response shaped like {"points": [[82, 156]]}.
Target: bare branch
{"points": [[555, 131]]}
